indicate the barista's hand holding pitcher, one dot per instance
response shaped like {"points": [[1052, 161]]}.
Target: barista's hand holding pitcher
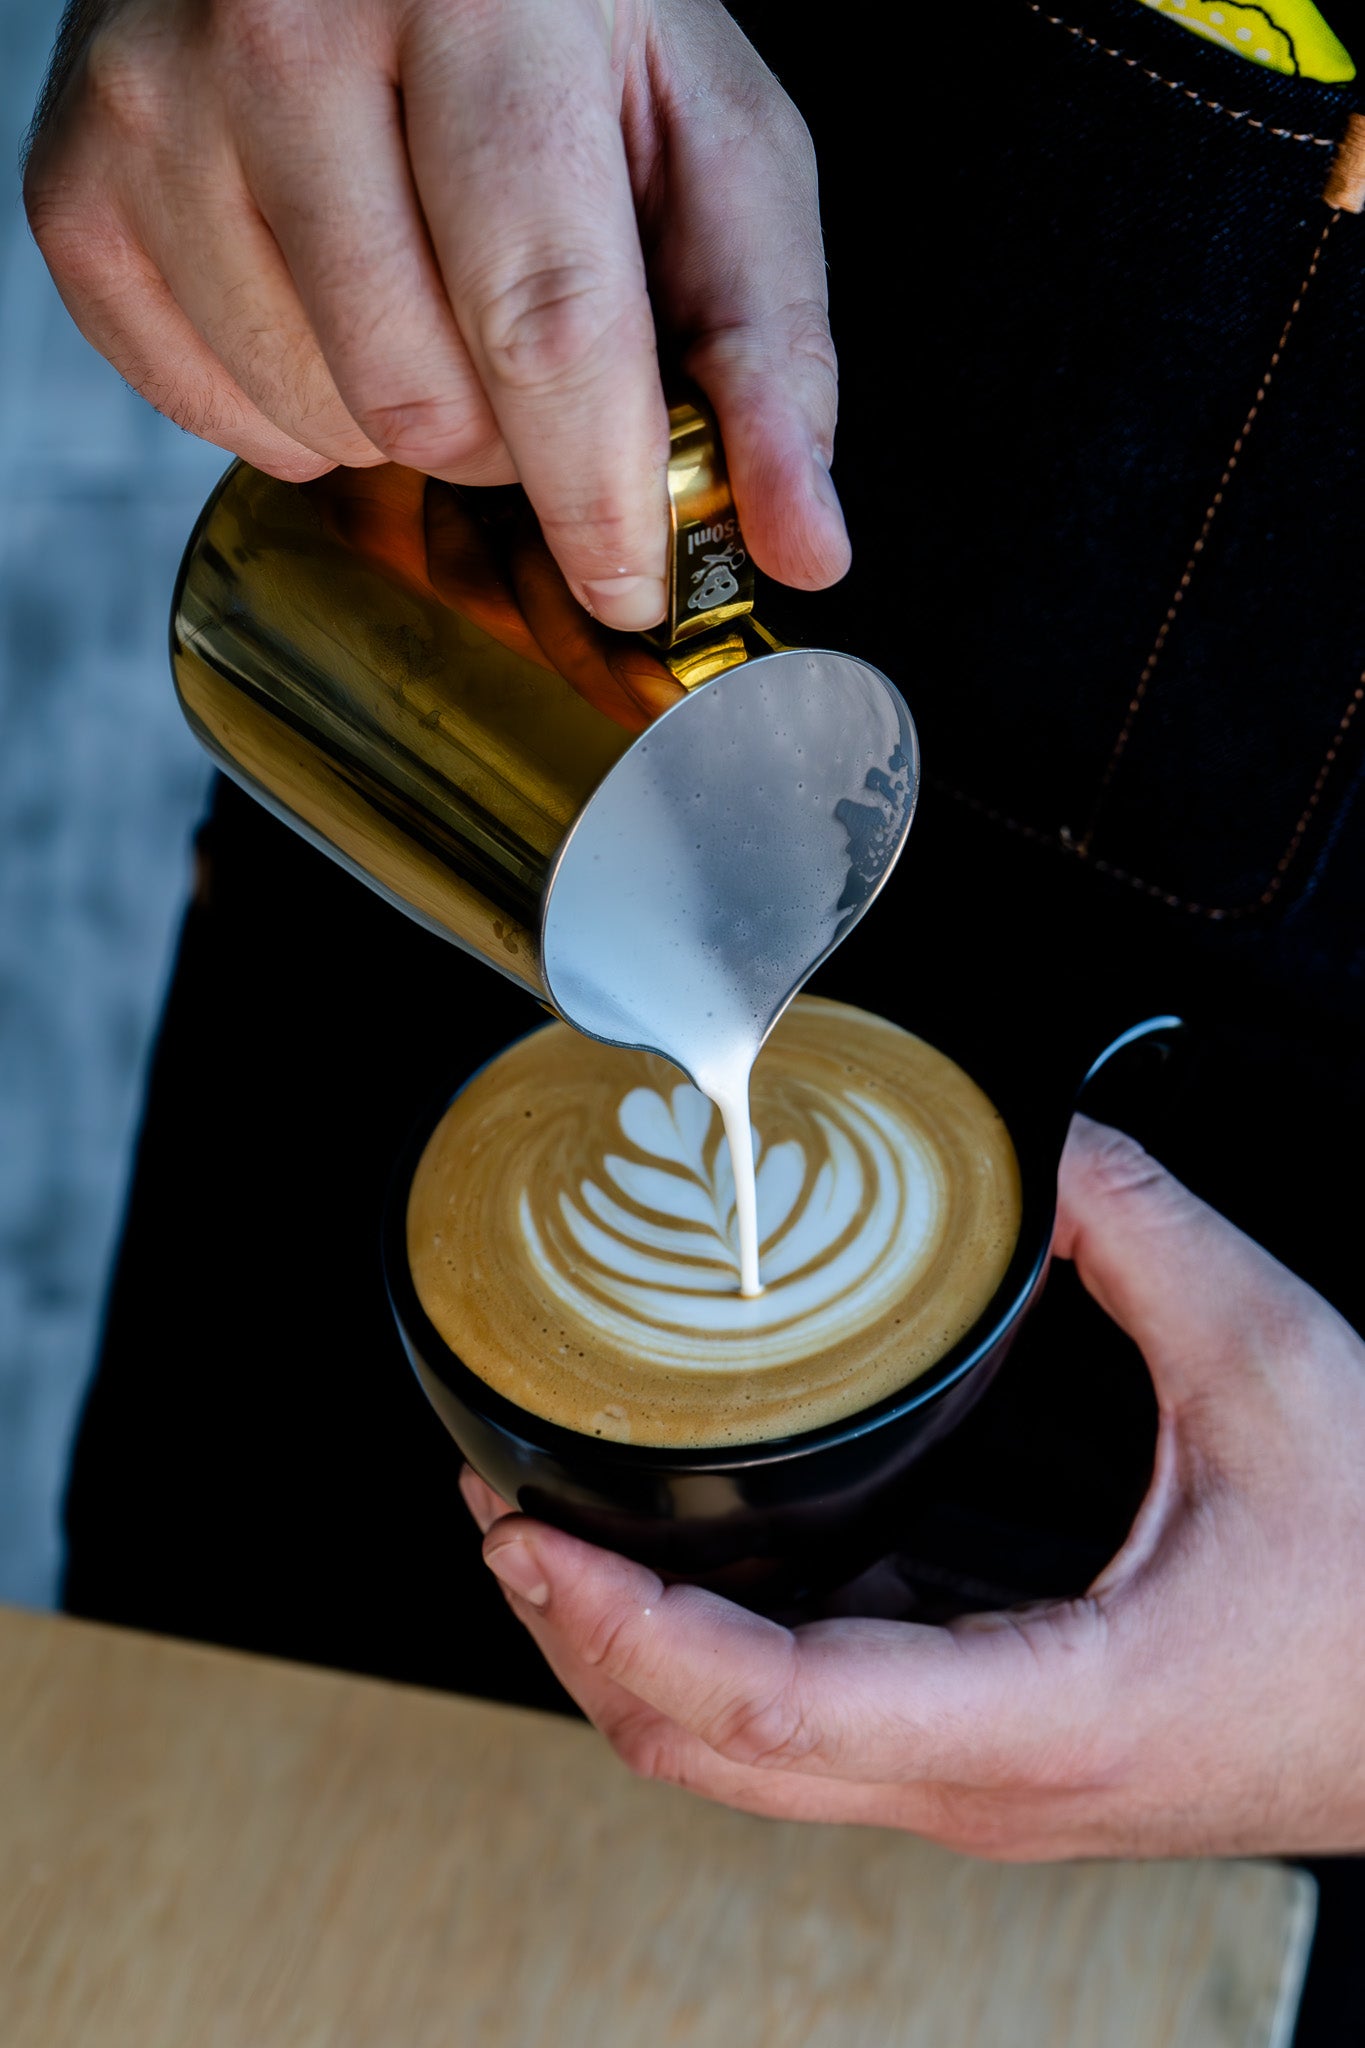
{"points": [[426, 231], [1204, 1697]]}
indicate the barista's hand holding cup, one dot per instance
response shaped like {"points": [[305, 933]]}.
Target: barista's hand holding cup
{"points": [[1205, 1696]]}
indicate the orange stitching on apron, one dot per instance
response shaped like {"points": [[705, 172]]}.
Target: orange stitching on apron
{"points": [[1062, 843], [1175, 85], [1329, 762], [1138, 698]]}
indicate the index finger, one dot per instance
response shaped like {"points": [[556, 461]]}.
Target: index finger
{"points": [[514, 134], [1002, 1700]]}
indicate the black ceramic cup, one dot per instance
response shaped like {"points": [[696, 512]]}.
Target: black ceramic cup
{"points": [[769, 1523]]}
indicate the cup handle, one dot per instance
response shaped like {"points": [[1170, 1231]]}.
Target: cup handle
{"points": [[1128, 1083]]}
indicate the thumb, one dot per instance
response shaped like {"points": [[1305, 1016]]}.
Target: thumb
{"points": [[858, 1700], [1193, 1292]]}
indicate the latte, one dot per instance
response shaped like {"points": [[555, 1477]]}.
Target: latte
{"points": [[571, 1230]]}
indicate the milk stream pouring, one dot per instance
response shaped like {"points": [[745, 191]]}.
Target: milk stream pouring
{"points": [[661, 837]]}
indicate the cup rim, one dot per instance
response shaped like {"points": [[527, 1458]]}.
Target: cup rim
{"points": [[1027, 1264]]}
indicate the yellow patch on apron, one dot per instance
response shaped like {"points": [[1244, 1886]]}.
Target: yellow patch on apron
{"points": [[1284, 35]]}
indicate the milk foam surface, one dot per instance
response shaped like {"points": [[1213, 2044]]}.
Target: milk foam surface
{"points": [[572, 1230], [840, 1238]]}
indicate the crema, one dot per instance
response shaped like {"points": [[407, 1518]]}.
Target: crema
{"points": [[572, 1230]]}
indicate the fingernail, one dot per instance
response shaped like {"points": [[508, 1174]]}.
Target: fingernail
{"points": [[515, 1564], [629, 603]]}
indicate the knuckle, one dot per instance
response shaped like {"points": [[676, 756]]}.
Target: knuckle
{"points": [[1115, 1163], [646, 1748], [281, 373], [755, 106], [598, 535], [51, 181], [267, 42], [765, 1733], [303, 468], [551, 325], [662, 1756], [433, 434], [786, 130], [75, 244], [788, 344], [125, 91], [999, 1825], [225, 417], [607, 1643], [756, 117], [209, 414]]}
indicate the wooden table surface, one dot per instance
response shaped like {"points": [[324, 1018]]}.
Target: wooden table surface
{"points": [[205, 1850]]}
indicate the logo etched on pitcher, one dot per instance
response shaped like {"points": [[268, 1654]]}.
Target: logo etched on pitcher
{"points": [[715, 582]]}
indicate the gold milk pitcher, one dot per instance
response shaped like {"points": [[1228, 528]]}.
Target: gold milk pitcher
{"points": [[626, 825]]}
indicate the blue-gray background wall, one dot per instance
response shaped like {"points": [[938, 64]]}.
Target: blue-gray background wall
{"points": [[100, 786]]}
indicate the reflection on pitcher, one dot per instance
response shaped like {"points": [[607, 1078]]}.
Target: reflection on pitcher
{"points": [[483, 554]]}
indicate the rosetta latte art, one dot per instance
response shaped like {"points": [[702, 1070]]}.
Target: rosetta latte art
{"points": [[652, 1256], [572, 1232]]}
